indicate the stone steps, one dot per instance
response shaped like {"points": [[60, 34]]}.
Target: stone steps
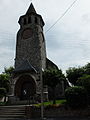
{"points": [[12, 112], [23, 102], [10, 119]]}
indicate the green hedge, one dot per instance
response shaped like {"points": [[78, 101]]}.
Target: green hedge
{"points": [[85, 82], [76, 97]]}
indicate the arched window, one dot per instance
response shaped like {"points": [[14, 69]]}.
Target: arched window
{"points": [[29, 19], [36, 20], [25, 21]]}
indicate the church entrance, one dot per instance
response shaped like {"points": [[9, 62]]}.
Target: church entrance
{"points": [[27, 90], [25, 87]]}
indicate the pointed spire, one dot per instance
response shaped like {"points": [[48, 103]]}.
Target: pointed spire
{"points": [[31, 9]]}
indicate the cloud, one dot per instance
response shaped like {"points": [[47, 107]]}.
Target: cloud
{"points": [[7, 49], [68, 42], [68, 46], [6, 58]]}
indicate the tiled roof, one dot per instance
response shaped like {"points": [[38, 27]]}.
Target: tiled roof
{"points": [[25, 66]]}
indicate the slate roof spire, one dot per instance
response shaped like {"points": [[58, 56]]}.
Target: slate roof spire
{"points": [[31, 9]]}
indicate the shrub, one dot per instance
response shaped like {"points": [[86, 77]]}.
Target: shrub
{"points": [[76, 97], [85, 82], [2, 92]]}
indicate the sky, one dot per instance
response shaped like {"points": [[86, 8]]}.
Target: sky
{"points": [[67, 43]]}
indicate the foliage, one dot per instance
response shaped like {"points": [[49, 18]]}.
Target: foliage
{"points": [[8, 70], [73, 74], [51, 78], [85, 82], [76, 97], [4, 81], [3, 103], [81, 77], [5, 78], [87, 69], [2, 92]]}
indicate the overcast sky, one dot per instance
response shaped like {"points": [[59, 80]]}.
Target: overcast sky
{"points": [[68, 42]]}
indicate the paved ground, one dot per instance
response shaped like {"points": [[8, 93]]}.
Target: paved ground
{"points": [[61, 118], [69, 118]]}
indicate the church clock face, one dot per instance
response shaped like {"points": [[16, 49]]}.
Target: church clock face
{"points": [[27, 33]]}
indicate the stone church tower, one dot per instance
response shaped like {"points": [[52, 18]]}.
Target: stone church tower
{"points": [[30, 40], [30, 56]]}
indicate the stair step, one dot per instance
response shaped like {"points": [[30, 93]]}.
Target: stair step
{"points": [[14, 106], [12, 112], [14, 116], [10, 119]]}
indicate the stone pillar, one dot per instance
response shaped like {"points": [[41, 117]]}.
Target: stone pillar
{"points": [[11, 97], [12, 89], [62, 88], [45, 93]]}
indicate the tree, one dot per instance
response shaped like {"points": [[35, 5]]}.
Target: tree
{"points": [[4, 83], [2, 92], [52, 77], [87, 69], [8, 70], [85, 82], [76, 97], [5, 79], [74, 73]]}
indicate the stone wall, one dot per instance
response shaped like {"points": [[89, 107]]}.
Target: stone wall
{"points": [[54, 112]]}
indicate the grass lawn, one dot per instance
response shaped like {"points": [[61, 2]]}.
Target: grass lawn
{"points": [[2, 103], [58, 102]]}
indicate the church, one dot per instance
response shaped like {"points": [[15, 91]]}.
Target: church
{"points": [[30, 58]]}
